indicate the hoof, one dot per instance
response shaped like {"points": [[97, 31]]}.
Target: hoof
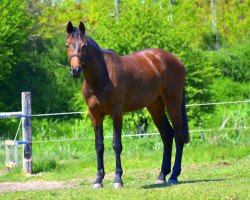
{"points": [[173, 182], [118, 185], [160, 182], [98, 185]]}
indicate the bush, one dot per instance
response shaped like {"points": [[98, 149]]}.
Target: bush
{"points": [[233, 61]]}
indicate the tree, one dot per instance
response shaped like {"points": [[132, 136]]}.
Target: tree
{"points": [[15, 24]]}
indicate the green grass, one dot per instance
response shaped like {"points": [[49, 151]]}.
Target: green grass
{"points": [[223, 180], [214, 167], [73, 159]]}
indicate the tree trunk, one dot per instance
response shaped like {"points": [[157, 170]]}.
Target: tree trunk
{"points": [[170, 10], [214, 24], [117, 8]]}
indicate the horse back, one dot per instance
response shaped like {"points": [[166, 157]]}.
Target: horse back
{"points": [[142, 74]]}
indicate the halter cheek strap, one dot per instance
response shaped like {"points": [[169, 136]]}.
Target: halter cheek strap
{"points": [[83, 60]]}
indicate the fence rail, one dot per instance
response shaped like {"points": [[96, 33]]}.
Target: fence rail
{"points": [[19, 114], [138, 135], [217, 103], [133, 135], [10, 115], [188, 105]]}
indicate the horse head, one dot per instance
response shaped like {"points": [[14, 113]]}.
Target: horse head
{"points": [[76, 48]]}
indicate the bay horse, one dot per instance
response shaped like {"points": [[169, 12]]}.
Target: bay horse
{"points": [[113, 84]]}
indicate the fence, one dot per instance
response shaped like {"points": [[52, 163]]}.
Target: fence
{"points": [[26, 116]]}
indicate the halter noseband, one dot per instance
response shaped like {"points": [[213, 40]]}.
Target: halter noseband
{"points": [[83, 60]]}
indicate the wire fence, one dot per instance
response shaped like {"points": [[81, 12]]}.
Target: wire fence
{"points": [[138, 135], [19, 115], [188, 105], [218, 103], [133, 135]]}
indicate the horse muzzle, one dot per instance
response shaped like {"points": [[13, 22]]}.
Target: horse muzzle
{"points": [[76, 72]]}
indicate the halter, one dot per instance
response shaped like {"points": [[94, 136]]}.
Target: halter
{"points": [[82, 59]]}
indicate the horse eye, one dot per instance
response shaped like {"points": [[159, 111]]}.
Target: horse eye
{"points": [[67, 46]]}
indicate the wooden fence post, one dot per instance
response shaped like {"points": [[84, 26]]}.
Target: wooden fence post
{"points": [[26, 131]]}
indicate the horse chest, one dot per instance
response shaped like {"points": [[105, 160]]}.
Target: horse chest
{"points": [[97, 104]]}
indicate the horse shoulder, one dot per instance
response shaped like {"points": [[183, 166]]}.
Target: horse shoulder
{"points": [[101, 101]]}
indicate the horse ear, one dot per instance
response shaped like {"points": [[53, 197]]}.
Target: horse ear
{"points": [[69, 27], [82, 27]]}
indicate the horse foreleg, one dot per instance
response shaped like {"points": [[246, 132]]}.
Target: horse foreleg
{"points": [[117, 146], [99, 146]]}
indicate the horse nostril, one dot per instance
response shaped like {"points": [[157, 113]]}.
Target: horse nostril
{"points": [[75, 72], [78, 70]]}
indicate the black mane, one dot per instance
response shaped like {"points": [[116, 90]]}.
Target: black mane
{"points": [[93, 42]]}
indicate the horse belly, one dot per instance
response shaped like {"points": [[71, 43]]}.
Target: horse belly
{"points": [[141, 95]]}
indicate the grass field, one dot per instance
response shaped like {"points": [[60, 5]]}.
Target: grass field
{"points": [[227, 180], [213, 168]]}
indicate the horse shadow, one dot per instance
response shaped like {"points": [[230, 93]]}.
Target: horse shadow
{"points": [[152, 186]]}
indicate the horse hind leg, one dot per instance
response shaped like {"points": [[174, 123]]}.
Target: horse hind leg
{"points": [[157, 111], [175, 106]]}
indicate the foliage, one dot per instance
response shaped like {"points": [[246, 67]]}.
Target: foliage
{"points": [[13, 33], [34, 58], [228, 116], [225, 88], [233, 61], [14, 30]]}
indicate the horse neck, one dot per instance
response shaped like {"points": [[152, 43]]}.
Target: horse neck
{"points": [[96, 74]]}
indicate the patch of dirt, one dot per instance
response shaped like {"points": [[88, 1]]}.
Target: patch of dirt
{"points": [[223, 163], [202, 166], [37, 185]]}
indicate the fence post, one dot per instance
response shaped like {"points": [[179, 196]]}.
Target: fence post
{"points": [[26, 131]]}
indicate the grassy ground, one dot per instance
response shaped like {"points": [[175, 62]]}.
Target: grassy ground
{"points": [[225, 180], [213, 168]]}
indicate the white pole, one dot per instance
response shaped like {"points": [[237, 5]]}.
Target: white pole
{"points": [[26, 131], [16, 153]]}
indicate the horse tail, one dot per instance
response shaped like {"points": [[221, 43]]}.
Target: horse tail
{"points": [[185, 130]]}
